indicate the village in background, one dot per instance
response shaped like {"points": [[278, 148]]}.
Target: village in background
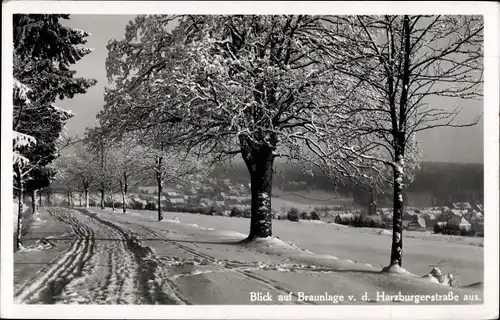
{"points": [[445, 198]]}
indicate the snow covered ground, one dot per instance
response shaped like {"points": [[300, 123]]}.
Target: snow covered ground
{"points": [[111, 258]]}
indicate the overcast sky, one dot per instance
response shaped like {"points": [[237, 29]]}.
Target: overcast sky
{"points": [[442, 144]]}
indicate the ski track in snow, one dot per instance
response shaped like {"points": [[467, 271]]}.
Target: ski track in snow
{"points": [[115, 269]]}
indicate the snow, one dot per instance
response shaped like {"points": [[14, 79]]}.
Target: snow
{"points": [[210, 262]]}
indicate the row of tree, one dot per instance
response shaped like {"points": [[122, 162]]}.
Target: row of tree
{"points": [[100, 163], [43, 52], [345, 94]]}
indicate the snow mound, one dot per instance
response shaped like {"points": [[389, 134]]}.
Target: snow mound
{"points": [[384, 233], [312, 221], [42, 244], [231, 233], [395, 269], [200, 227], [271, 242]]}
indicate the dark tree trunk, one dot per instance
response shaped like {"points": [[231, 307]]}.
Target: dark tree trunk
{"points": [[20, 208], [69, 198], [159, 180], [160, 190], [124, 204], [397, 223], [34, 203], [112, 201], [49, 197], [86, 191], [260, 166], [40, 202], [124, 189], [80, 197], [102, 197]]}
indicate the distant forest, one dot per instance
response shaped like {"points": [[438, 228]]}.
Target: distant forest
{"points": [[444, 182]]}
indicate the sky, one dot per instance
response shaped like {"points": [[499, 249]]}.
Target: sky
{"points": [[441, 144]]}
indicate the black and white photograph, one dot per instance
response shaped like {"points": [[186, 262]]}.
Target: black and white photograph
{"points": [[275, 160]]}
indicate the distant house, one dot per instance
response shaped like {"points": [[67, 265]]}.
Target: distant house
{"points": [[430, 222], [473, 215], [409, 214], [461, 222], [220, 204], [176, 201], [205, 202], [456, 212], [461, 205], [444, 209], [344, 218], [416, 224]]}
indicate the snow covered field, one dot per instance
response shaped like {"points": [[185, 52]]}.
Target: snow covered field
{"points": [[101, 257]]}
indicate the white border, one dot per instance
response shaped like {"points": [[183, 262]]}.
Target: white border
{"points": [[491, 13]]}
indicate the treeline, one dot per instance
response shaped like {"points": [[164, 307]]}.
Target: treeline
{"points": [[439, 178]]}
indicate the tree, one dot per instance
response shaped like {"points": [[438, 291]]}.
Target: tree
{"points": [[169, 164], [82, 167], [43, 52], [128, 159], [100, 146], [406, 60], [255, 86]]}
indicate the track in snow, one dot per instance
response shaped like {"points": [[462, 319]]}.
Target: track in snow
{"points": [[117, 269]]}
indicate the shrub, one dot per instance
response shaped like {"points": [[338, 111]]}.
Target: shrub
{"points": [[314, 215], [468, 233], [303, 215], [437, 228], [205, 211], [118, 204], [293, 215], [138, 205], [451, 229], [145, 191], [247, 213], [151, 205], [236, 212]]}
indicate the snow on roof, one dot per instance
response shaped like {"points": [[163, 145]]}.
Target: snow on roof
{"points": [[456, 212], [420, 221], [464, 222], [430, 216], [177, 200]]}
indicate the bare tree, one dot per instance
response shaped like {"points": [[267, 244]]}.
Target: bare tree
{"points": [[82, 168], [407, 61], [254, 86]]}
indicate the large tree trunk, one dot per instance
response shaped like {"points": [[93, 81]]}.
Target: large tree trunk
{"points": [[102, 197], [40, 202], [34, 203], [160, 190], [49, 196], [86, 191], [20, 207], [397, 223], [124, 189], [260, 166]]}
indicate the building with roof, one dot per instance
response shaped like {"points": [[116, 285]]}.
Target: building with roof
{"points": [[416, 224]]}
